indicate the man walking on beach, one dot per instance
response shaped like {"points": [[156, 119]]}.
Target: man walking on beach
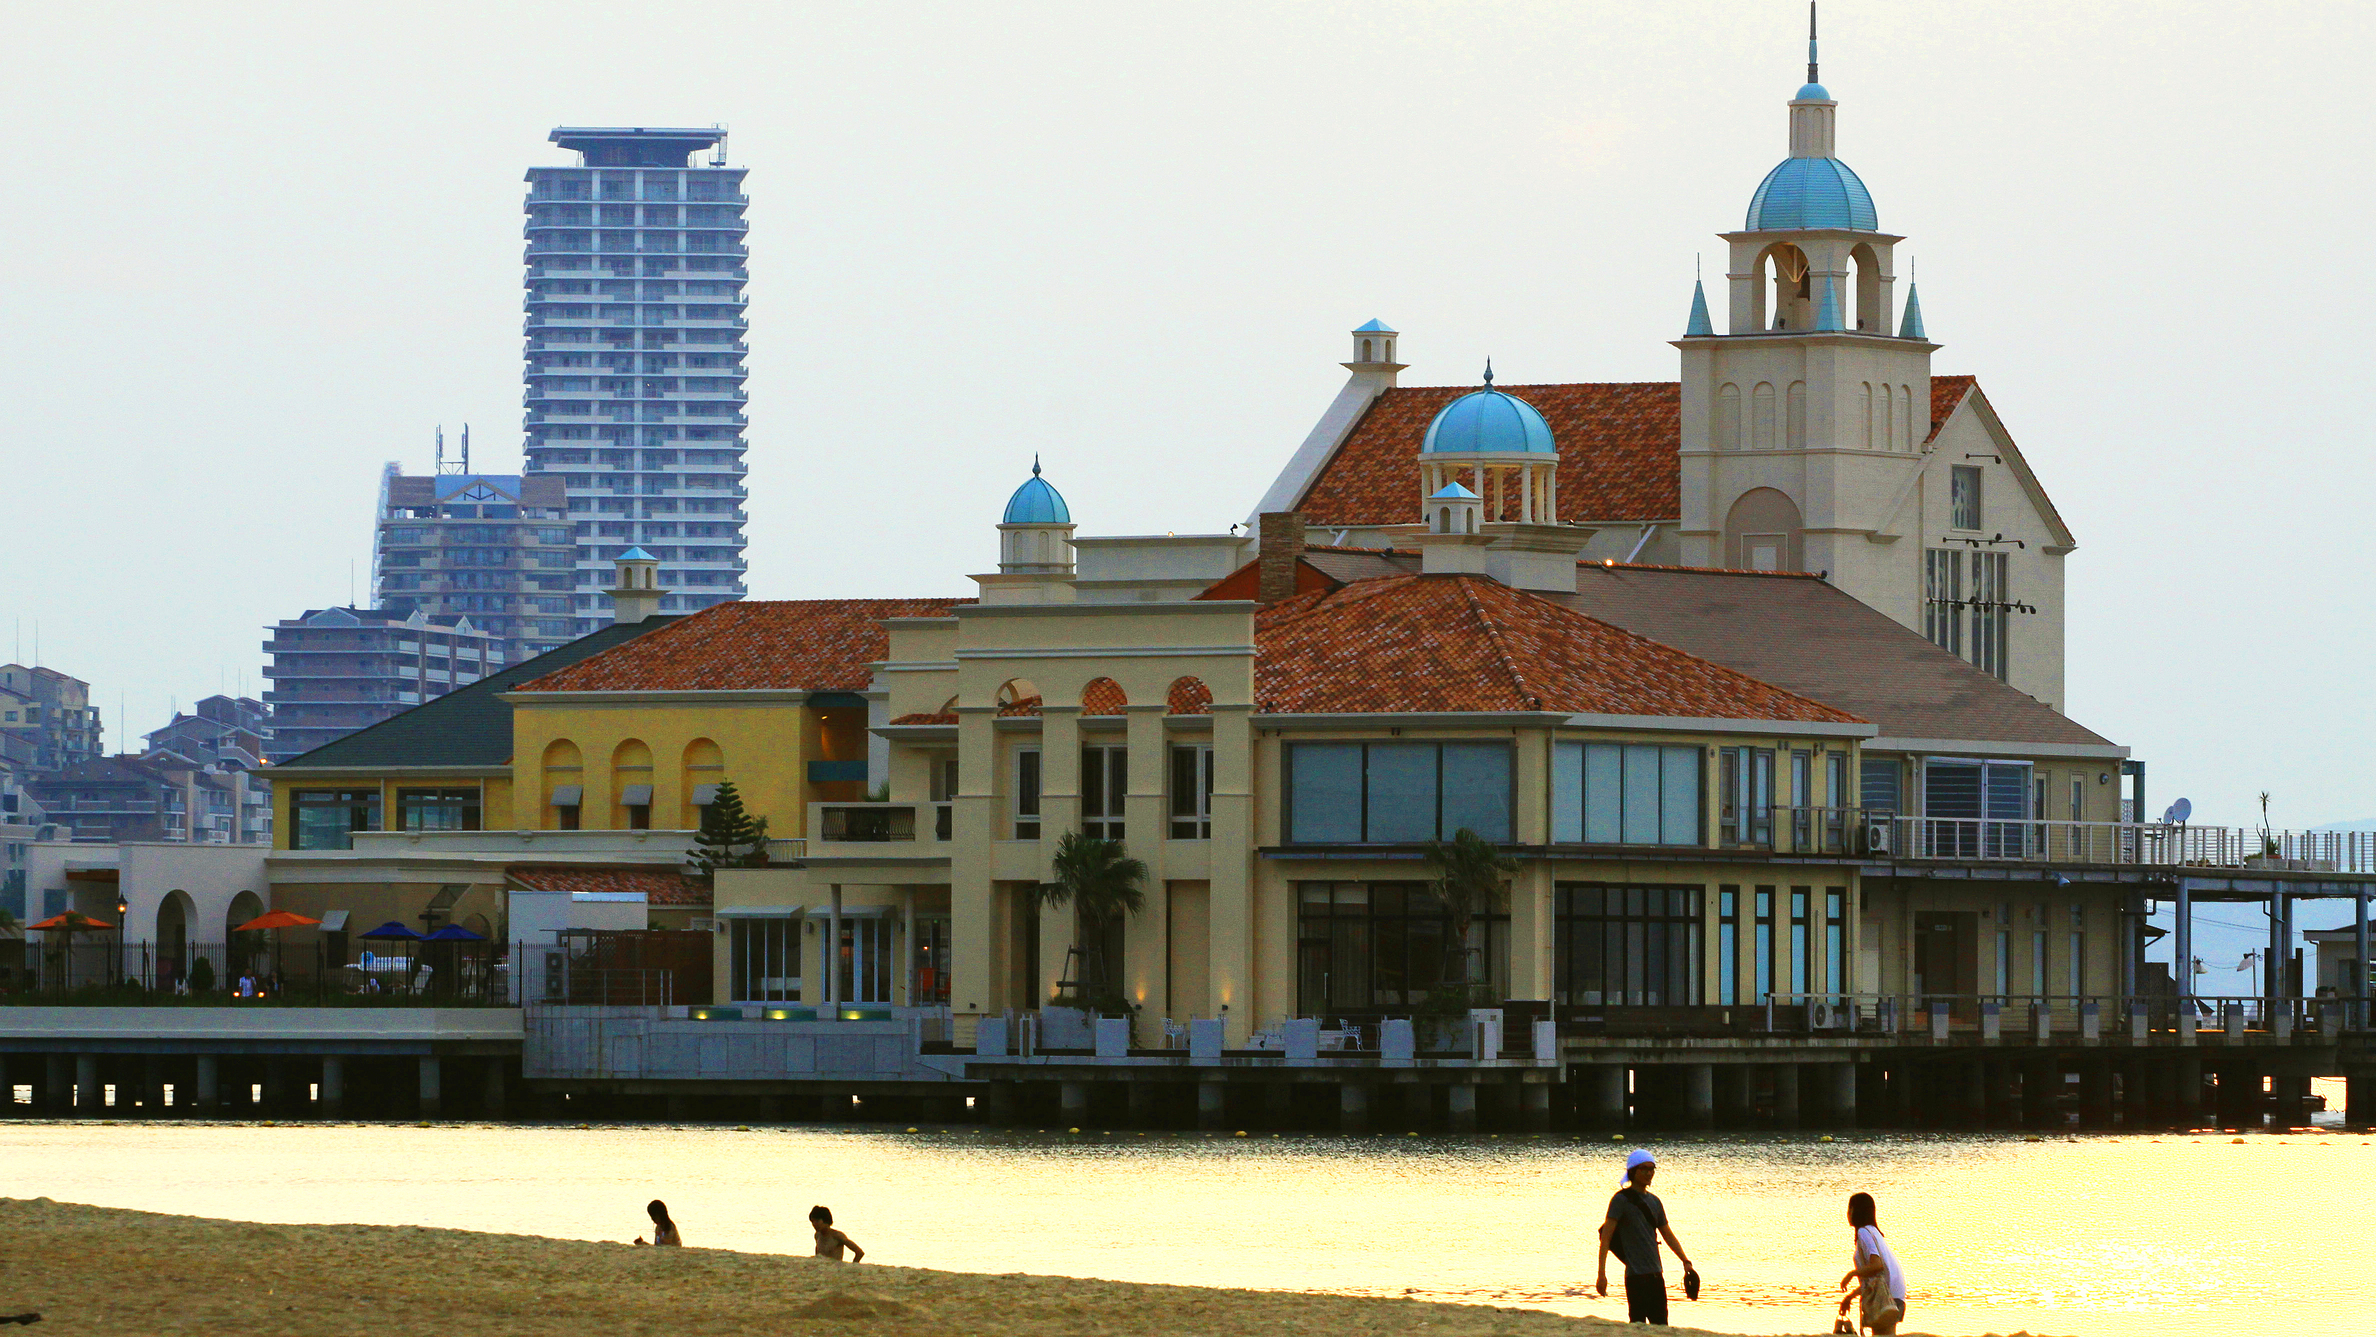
{"points": [[1636, 1218]]}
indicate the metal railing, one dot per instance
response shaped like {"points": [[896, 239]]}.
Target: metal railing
{"points": [[1857, 832], [94, 968], [882, 822], [2151, 1017]]}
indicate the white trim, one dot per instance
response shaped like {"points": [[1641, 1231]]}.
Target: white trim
{"points": [[1942, 748], [735, 697], [1163, 652], [758, 911], [1182, 608], [1320, 446]]}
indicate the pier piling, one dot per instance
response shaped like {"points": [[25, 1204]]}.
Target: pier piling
{"points": [[1534, 1107], [432, 1090], [1352, 1108], [88, 1098], [1461, 1107], [1072, 1100], [1786, 1095], [333, 1097], [1604, 1097], [210, 1085], [1212, 1108]]}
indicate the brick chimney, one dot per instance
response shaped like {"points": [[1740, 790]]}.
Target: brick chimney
{"points": [[1282, 537]]}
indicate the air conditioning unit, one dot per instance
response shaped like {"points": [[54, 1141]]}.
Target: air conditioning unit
{"points": [[1877, 837]]}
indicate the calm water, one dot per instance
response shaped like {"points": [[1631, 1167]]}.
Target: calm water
{"points": [[2098, 1235]]}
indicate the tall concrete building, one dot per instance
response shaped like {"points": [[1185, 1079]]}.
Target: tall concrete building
{"points": [[636, 334], [497, 548], [336, 670], [47, 721]]}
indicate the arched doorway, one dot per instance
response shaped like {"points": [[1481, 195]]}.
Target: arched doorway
{"points": [[174, 914], [244, 953], [1761, 533]]}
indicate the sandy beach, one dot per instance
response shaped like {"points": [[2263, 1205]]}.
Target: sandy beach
{"points": [[100, 1269]]}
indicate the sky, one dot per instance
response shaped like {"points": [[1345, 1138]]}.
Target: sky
{"points": [[263, 249]]}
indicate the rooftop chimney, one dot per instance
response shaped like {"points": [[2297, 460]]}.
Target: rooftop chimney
{"points": [[636, 595], [1282, 538]]}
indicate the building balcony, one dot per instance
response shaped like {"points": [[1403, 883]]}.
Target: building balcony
{"points": [[924, 828], [2145, 844]]}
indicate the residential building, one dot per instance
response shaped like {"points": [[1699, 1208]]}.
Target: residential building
{"points": [[636, 331], [111, 800], [498, 549], [337, 670], [47, 721], [1810, 435], [233, 733]]}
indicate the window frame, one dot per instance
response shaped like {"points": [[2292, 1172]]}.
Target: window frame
{"points": [[1026, 796], [1364, 803], [1189, 814], [1581, 768], [363, 807], [1659, 929], [1105, 776]]}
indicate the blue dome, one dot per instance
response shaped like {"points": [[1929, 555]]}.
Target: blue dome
{"points": [[1812, 93], [1489, 422], [1036, 503], [1811, 193]]}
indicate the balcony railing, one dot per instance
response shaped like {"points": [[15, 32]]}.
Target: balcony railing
{"points": [[2048, 1017], [2157, 844], [882, 822]]}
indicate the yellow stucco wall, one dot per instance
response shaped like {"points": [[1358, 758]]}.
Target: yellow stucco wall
{"points": [[762, 746]]}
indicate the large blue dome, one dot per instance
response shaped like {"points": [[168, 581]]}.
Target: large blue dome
{"points": [[1036, 503], [1489, 422], [1812, 193]]}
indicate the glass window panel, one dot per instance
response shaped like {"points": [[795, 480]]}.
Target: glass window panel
{"points": [[1402, 793], [1567, 793], [1324, 793], [1604, 783], [1679, 796], [1477, 789], [1641, 795]]}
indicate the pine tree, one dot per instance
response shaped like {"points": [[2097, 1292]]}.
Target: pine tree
{"points": [[730, 837]]}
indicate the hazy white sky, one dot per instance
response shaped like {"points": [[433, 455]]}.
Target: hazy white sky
{"points": [[257, 250]]}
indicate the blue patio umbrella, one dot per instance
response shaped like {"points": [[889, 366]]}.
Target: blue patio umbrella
{"points": [[453, 933], [391, 931]]}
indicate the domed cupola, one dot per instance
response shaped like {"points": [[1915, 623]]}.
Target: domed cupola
{"points": [[1500, 447], [1491, 422], [1812, 189], [1035, 534]]}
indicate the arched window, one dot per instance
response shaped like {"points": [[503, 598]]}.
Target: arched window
{"points": [[244, 952], [1188, 696], [1794, 307], [1871, 314], [1365, 350], [564, 785], [1443, 519], [1727, 424], [1798, 415], [1018, 696], [1864, 419], [704, 770], [631, 786], [1905, 418], [1762, 532], [1103, 696], [1761, 416], [175, 914]]}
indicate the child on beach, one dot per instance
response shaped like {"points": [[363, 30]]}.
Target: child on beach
{"points": [[1880, 1283], [664, 1231], [831, 1242]]}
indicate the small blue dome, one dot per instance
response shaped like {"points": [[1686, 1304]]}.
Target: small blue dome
{"points": [[1812, 93], [1489, 422], [1036, 503], [1453, 492], [636, 555], [1812, 193]]}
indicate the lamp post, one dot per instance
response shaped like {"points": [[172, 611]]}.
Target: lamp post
{"points": [[123, 908]]}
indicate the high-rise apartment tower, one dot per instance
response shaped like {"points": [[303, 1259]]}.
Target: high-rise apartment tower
{"points": [[636, 334]]}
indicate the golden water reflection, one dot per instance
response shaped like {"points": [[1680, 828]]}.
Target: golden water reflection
{"points": [[2114, 1235]]}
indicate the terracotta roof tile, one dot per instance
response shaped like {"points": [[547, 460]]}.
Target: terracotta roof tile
{"points": [[1029, 705], [1618, 444], [1469, 643], [660, 886], [928, 717], [817, 645], [1103, 696], [1189, 696]]}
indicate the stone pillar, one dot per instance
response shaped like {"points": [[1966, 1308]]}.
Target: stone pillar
{"points": [[2293, 1100], [276, 1087], [1840, 1105], [1997, 1103], [1212, 1105], [2041, 1083], [88, 1098], [333, 1098], [57, 1087], [432, 1089], [1461, 1108], [1604, 1096], [1352, 1108], [1696, 1095], [491, 1089], [1786, 1095], [1073, 1103], [1534, 1107], [2187, 1108], [2359, 1097], [152, 1086], [210, 1085], [2095, 1093], [1970, 1107], [1730, 1082]]}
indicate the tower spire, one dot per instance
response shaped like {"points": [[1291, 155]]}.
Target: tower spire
{"points": [[1699, 326], [1811, 43]]}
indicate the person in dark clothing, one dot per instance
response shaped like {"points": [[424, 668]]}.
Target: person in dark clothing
{"points": [[1635, 1220]]}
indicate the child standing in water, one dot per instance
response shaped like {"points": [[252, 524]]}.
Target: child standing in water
{"points": [[664, 1231], [831, 1242]]}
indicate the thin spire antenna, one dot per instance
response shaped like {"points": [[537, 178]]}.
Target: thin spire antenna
{"points": [[1811, 43]]}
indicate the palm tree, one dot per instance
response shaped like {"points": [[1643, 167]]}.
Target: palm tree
{"points": [[1471, 878], [1101, 884]]}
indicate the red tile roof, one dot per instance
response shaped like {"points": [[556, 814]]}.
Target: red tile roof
{"points": [[928, 717], [1028, 705], [1103, 696], [1618, 450], [659, 886], [792, 645], [1188, 696], [1469, 643]]}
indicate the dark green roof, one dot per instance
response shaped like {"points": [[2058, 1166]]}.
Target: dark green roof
{"points": [[468, 727]]}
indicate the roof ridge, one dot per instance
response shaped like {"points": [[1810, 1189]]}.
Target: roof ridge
{"points": [[1501, 647]]}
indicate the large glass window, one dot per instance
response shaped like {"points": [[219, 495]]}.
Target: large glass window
{"points": [[763, 960], [1396, 793], [1625, 794], [1801, 940], [1747, 809], [1105, 782], [1364, 945], [1762, 951], [1192, 791], [1963, 497], [1942, 598], [1626, 946], [1992, 608], [327, 819], [1027, 793], [438, 809], [1728, 945]]}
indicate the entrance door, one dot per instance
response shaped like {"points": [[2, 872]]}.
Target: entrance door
{"points": [[1947, 959]]}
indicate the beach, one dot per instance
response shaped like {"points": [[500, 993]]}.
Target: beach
{"points": [[101, 1269]]}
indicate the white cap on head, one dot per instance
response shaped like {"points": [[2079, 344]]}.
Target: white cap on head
{"points": [[1637, 1157]]}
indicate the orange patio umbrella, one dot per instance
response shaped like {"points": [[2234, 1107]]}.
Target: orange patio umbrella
{"points": [[72, 921], [276, 919]]}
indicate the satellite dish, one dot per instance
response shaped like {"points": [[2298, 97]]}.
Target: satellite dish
{"points": [[2178, 812]]}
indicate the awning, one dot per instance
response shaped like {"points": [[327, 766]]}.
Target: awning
{"points": [[568, 796], [334, 921], [757, 912], [635, 796], [704, 795], [853, 911]]}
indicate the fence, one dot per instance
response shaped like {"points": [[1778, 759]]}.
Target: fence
{"points": [[98, 968], [2047, 1016], [2161, 844]]}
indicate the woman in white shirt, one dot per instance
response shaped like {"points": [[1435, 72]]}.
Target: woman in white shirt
{"points": [[1880, 1282]]}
